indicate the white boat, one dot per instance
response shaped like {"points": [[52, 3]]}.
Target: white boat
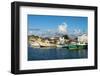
{"points": [[61, 45]]}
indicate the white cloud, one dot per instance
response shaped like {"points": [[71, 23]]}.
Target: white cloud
{"points": [[62, 28], [77, 31]]}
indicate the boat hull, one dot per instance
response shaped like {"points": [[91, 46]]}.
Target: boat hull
{"points": [[77, 47]]}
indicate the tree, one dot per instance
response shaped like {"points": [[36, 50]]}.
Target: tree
{"points": [[66, 36]]}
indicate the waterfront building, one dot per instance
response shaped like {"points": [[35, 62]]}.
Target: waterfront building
{"points": [[83, 39]]}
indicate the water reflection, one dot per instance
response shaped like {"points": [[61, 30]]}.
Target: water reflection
{"points": [[55, 53]]}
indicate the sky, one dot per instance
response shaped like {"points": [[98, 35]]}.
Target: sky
{"points": [[39, 24]]}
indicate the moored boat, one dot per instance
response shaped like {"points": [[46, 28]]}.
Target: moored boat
{"points": [[76, 47]]}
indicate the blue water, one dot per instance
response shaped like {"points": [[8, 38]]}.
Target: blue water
{"points": [[55, 53]]}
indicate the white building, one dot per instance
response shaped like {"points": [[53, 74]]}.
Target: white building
{"points": [[83, 39], [61, 40], [35, 44]]}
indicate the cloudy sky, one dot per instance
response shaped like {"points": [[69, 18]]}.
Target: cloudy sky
{"points": [[45, 24]]}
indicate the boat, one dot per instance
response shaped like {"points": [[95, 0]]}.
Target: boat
{"points": [[61, 45], [65, 46], [76, 47], [47, 45]]}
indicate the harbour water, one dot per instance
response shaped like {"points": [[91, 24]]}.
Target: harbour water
{"points": [[55, 53]]}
